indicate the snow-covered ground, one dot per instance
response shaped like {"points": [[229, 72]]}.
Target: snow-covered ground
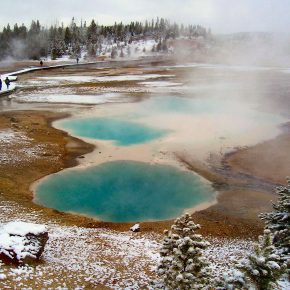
{"points": [[83, 258], [136, 49], [10, 138], [78, 258], [58, 80], [6, 136], [160, 84], [81, 95], [74, 99], [52, 90]]}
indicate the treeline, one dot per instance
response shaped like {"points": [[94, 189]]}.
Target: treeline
{"points": [[38, 41]]}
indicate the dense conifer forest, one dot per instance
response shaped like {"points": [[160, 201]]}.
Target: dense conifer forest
{"points": [[36, 41]]}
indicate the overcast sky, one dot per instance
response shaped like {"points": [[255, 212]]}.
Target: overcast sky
{"points": [[223, 16]]}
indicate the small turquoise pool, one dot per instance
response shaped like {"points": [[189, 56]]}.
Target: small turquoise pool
{"points": [[123, 191], [123, 133]]}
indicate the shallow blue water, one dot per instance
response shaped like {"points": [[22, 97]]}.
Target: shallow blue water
{"points": [[124, 191], [122, 132], [207, 107]]}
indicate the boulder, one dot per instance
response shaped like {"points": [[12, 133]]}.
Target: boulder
{"points": [[135, 228], [21, 242]]}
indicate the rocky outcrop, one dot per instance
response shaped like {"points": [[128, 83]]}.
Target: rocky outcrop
{"points": [[22, 243]]}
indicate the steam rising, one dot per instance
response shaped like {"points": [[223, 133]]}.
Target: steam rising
{"points": [[256, 49]]}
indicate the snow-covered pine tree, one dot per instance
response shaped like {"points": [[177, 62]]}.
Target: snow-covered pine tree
{"points": [[278, 221], [234, 280], [159, 46], [264, 267], [91, 50], [128, 51], [182, 265], [114, 52], [122, 53]]}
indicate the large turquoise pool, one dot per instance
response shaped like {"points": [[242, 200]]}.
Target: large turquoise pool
{"points": [[122, 132], [124, 191]]}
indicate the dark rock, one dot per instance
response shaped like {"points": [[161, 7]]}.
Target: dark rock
{"points": [[136, 228], [22, 243], [13, 120]]}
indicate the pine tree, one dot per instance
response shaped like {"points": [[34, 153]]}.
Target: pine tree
{"points": [[128, 51], [91, 50], [53, 53], [67, 37], [114, 53], [264, 267], [92, 32], [278, 221], [57, 44], [164, 46], [122, 53], [182, 265], [159, 46], [234, 280]]}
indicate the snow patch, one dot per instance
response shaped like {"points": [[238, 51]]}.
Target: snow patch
{"points": [[160, 84], [118, 78], [23, 228], [7, 136], [57, 80], [73, 99], [9, 139]]}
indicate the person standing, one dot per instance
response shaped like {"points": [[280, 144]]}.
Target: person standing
{"points": [[77, 60], [41, 62], [7, 82]]}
